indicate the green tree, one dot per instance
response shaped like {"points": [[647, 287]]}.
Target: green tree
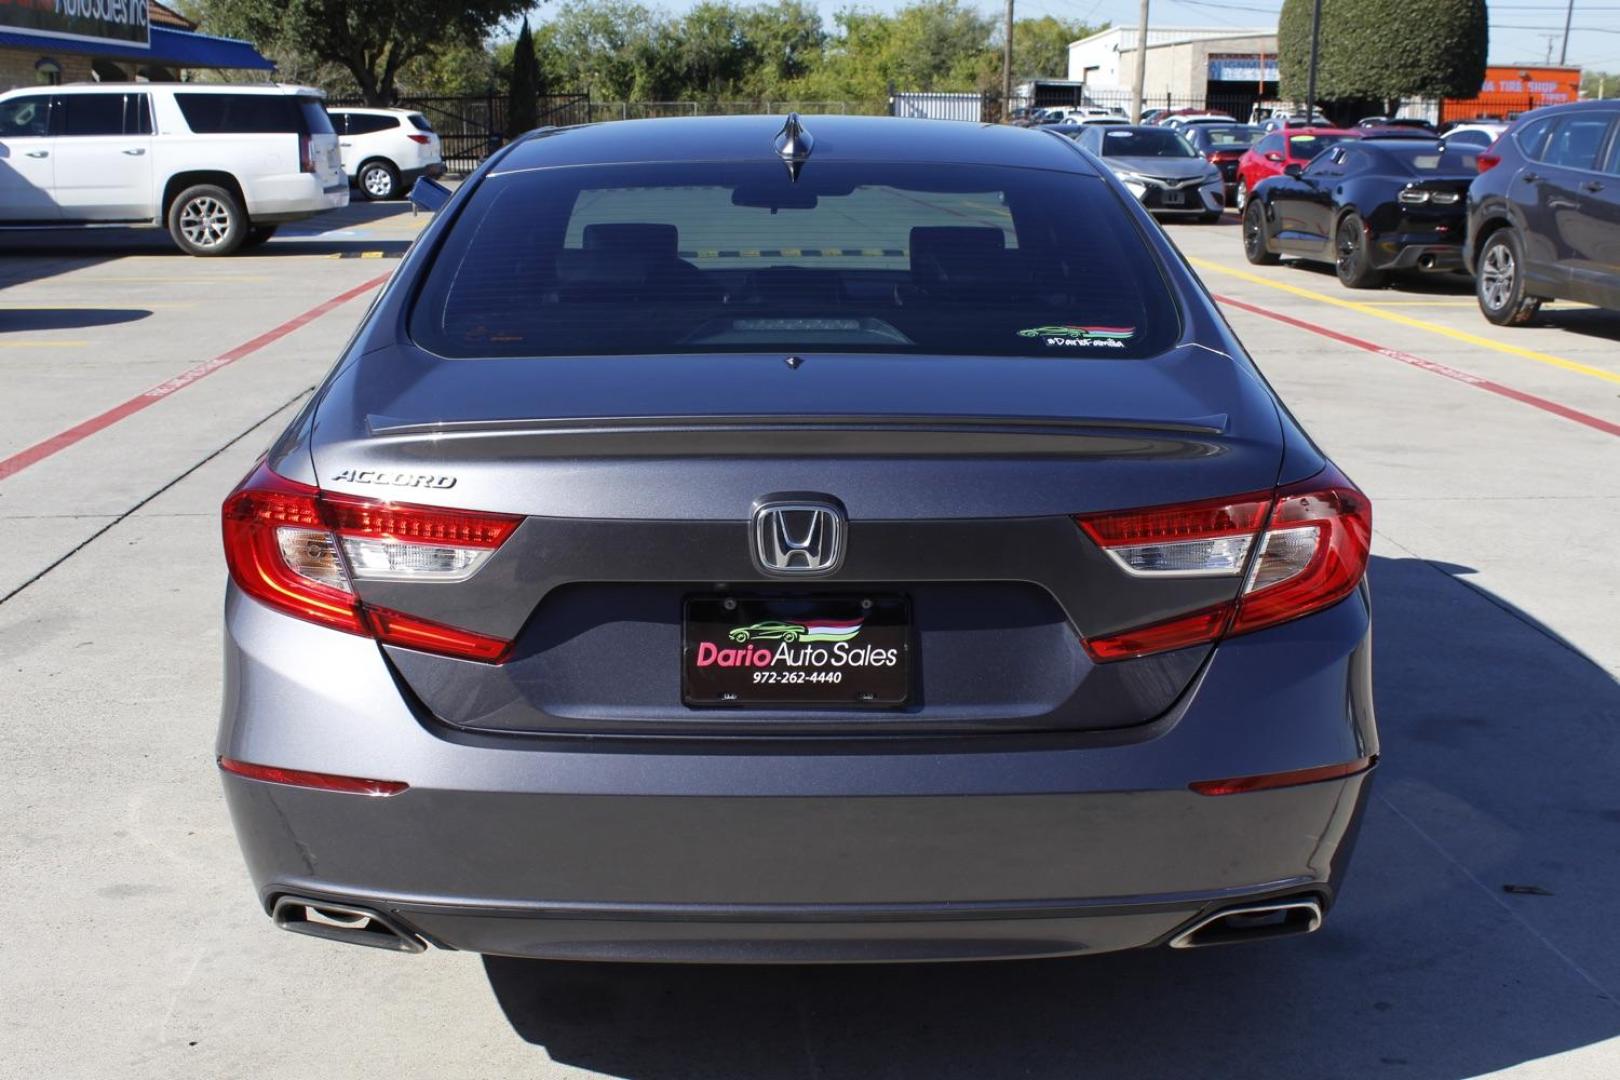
{"points": [[523, 102], [1041, 46], [1600, 84], [374, 40], [1385, 49]]}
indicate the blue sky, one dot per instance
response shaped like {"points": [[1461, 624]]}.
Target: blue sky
{"points": [[1518, 27]]}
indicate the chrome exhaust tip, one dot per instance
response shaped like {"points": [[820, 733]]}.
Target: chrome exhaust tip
{"points": [[1252, 922], [1426, 262], [344, 922]]}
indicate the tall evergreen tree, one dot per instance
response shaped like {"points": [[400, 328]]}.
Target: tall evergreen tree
{"points": [[523, 106]]}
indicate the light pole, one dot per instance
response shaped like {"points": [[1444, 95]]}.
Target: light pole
{"points": [[1569, 14], [1316, 44], [1006, 68], [1141, 65]]}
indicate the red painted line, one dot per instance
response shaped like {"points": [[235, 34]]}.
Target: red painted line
{"points": [[19, 461], [1587, 419]]}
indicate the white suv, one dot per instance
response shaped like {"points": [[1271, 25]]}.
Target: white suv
{"points": [[219, 166], [386, 150]]}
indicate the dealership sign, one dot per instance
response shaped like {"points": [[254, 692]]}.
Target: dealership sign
{"points": [[1230, 67], [117, 22]]}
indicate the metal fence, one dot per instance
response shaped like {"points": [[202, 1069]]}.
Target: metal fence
{"points": [[642, 110]]}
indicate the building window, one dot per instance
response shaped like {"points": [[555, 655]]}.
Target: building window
{"points": [[48, 71]]}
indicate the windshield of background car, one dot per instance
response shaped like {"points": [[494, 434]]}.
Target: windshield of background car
{"points": [[736, 257], [1147, 142], [1305, 147], [1216, 137]]}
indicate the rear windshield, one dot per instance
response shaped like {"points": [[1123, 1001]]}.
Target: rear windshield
{"points": [[704, 258], [1308, 146], [1427, 157], [1220, 137], [253, 114], [420, 122], [1147, 142]]}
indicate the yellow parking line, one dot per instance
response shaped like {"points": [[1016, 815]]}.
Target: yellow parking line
{"points": [[1408, 320]]}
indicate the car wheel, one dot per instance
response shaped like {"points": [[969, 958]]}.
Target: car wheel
{"points": [[1499, 281], [379, 180], [1351, 258], [1240, 198], [1254, 237], [258, 234], [207, 220]]}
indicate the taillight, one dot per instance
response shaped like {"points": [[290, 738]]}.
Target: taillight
{"points": [[299, 551], [1310, 553], [423, 139], [306, 154], [1490, 159]]}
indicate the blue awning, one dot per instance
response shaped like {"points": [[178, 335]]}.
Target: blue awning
{"points": [[170, 48]]}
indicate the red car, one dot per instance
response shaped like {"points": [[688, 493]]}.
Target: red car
{"points": [[1280, 149]]}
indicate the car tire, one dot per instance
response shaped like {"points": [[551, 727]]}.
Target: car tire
{"points": [[1499, 281], [207, 220], [1254, 237], [1240, 197], [258, 234], [378, 180], [1351, 259]]}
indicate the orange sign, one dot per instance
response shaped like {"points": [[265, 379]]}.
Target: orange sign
{"points": [[1510, 89]]}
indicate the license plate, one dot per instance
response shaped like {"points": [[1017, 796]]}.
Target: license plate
{"points": [[1174, 198], [771, 651]]}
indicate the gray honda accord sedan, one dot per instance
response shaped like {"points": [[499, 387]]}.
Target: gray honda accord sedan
{"points": [[739, 539]]}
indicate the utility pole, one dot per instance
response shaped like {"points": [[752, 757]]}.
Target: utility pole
{"points": [[1006, 68], [1569, 14], [1316, 46], [1141, 65]]}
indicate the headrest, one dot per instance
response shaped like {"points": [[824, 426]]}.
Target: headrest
{"points": [[954, 244], [646, 239]]}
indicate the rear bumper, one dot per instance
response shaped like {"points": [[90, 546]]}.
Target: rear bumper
{"points": [[294, 197], [1436, 257], [797, 850]]}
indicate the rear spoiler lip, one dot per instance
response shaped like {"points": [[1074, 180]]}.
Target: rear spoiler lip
{"points": [[1206, 426]]}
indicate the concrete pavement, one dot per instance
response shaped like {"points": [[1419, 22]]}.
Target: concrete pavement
{"points": [[131, 946]]}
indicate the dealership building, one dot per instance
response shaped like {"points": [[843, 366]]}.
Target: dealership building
{"points": [[1225, 68], [47, 42]]}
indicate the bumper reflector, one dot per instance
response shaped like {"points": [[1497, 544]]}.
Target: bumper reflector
{"points": [[352, 785], [1239, 785]]}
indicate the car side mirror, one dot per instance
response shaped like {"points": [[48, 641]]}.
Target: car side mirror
{"points": [[429, 195], [1293, 168]]}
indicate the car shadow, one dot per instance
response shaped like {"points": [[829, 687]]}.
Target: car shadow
{"points": [[27, 320], [1586, 321], [1499, 740]]}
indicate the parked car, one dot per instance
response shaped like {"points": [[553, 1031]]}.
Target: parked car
{"points": [[1544, 213], [1276, 151], [385, 151], [1368, 207], [1085, 661], [1161, 168], [1384, 123], [1181, 123], [1223, 145], [1283, 121], [1477, 134], [221, 166]]}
